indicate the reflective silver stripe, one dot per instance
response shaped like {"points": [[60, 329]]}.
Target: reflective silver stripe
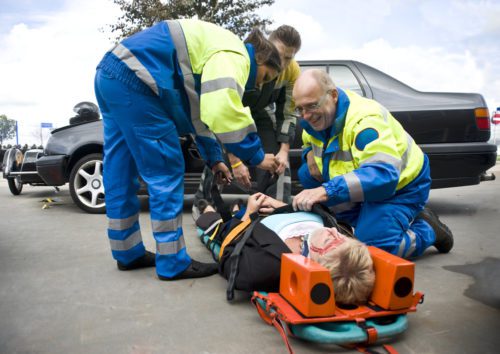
{"points": [[280, 185], [220, 84], [317, 150], [211, 227], [124, 245], [407, 152], [136, 66], [385, 113], [167, 225], [344, 207], [189, 84], [237, 135], [408, 237], [385, 158], [354, 186], [122, 224], [285, 127], [166, 248], [342, 155]]}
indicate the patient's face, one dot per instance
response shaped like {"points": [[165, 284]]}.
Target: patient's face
{"points": [[325, 239]]}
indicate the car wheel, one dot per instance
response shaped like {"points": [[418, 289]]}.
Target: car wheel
{"points": [[15, 185], [86, 185]]}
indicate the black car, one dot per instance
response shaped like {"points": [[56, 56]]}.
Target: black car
{"points": [[20, 169], [451, 128]]}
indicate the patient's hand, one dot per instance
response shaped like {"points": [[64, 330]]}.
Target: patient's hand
{"points": [[269, 204]]}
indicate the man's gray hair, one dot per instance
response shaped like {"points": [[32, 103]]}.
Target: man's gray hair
{"points": [[323, 79]]}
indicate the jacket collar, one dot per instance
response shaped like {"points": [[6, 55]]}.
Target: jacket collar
{"points": [[250, 85], [338, 122]]}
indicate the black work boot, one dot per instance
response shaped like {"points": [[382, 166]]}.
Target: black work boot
{"points": [[444, 237], [148, 260], [195, 270]]}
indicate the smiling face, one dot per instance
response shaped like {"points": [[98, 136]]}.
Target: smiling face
{"points": [[316, 105]]}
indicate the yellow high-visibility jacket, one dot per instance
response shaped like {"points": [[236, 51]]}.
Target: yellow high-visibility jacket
{"points": [[199, 70], [366, 155]]}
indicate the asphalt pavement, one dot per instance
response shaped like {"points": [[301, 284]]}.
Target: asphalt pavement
{"points": [[60, 290]]}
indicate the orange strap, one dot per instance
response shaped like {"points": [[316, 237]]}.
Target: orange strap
{"points": [[279, 326], [235, 232]]}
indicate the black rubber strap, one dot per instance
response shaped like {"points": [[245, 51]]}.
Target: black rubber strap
{"points": [[222, 208], [234, 260]]}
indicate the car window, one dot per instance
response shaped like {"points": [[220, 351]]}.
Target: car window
{"points": [[307, 67], [30, 156], [344, 78]]}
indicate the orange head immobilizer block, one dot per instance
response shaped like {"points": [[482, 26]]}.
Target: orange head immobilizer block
{"points": [[394, 278], [307, 286]]}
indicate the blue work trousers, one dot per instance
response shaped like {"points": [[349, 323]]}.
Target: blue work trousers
{"points": [[391, 224], [140, 138]]}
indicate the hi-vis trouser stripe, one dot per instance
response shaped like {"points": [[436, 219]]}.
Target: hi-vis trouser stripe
{"points": [[135, 65], [130, 242], [172, 225], [408, 244], [167, 248], [122, 225], [189, 84]]}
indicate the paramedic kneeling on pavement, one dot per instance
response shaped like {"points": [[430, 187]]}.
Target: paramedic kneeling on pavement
{"points": [[358, 159], [173, 79]]}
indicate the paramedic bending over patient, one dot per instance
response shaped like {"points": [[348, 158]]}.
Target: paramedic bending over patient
{"points": [[173, 79], [348, 260]]}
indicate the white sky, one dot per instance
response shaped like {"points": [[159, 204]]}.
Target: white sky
{"points": [[49, 49]]}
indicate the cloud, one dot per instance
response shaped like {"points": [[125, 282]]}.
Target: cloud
{"points": [[50, 49], [425, 63], [48, 67]]}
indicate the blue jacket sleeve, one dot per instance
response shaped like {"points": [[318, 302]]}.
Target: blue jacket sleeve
{"points": [[370, 182], [249, 149], [209, 149]]}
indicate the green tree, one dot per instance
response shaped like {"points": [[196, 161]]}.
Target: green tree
{"points": [[238, 16], [7, 128]]}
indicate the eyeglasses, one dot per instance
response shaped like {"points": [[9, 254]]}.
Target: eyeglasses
{"points": [[313, 106]]}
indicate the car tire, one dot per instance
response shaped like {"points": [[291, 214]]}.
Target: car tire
{"points": [[86, 184], [15, 185]]}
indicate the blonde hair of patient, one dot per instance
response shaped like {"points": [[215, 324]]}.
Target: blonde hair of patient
{"points": [[351, 268]]}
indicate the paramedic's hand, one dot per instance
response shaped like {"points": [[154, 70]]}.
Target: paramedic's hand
{"points": [[308, 197], [269, 163], [240, 171], [313, 167], [222, 173], [282, 158]]}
